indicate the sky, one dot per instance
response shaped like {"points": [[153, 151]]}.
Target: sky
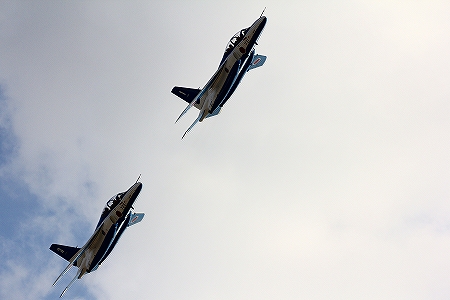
{"points": [[325, 176]]}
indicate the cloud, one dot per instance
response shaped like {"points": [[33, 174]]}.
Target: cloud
{"points": [[324, 176]]}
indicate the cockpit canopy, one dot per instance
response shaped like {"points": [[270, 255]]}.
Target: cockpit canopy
{"points": [[113, 201], [234, 41], [111, 204]]}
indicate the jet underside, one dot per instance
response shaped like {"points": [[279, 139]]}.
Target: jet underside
{"points": [[238, 58], [113, 222]]}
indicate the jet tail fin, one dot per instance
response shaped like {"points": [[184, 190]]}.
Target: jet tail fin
{"points": [[135, 218], [187, 94], [65, 252], [75, 256], [258, 61]]}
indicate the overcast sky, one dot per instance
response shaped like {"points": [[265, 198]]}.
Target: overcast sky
{"points": [[325, 176]]}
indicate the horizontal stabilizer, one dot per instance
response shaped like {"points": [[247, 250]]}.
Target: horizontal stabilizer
{"points": [[187, 94], [135, 218], [65, 252], [258, 61]]}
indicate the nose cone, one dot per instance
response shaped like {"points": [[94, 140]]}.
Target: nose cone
{"points": [[256, 29], [134, 190], [261, 22], [137, 187]]}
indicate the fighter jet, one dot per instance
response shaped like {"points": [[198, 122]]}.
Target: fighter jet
{"points": [[238, 59], [115, 218]]}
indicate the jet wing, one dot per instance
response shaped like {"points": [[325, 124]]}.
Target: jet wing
{"points": [[135, 218], [65, 252], [258, 61], [187, 94]]}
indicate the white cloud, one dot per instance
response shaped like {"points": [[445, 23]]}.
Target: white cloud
{"points": [[325, 175]]}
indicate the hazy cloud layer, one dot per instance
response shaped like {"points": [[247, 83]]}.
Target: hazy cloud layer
{"points": [[325, 176]]}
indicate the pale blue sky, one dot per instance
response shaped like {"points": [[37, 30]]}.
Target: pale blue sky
{"points": [[326, 175]]}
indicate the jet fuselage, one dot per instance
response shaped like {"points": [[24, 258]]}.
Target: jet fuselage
{"points": [[224, 82], [108, 231], [238, 58], [115, 218]]}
